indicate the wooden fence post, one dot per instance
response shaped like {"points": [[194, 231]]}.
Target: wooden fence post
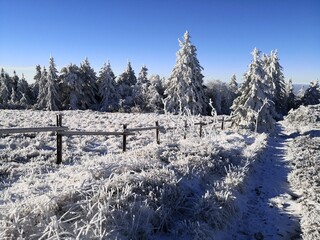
{"points": [[124, 138], [59, 140], [157, 133], [185, 129], [222, 123]]}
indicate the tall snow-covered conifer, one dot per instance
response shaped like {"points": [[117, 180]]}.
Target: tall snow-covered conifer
{"points": [[291, 98], [254, 108], [274, 73], [141, 88], [35, 87], [52, 96], [4, 89], [108, 91], [71, 88], [185, 85], [126, 82], [90, 88], [41, 99]]}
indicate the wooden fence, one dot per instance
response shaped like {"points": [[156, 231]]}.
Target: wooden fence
{"points": [[61, 131]]}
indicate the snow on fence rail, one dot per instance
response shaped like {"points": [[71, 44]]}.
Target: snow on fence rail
{"points": [[63, 131]]}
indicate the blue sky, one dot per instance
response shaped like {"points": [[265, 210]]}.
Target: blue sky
{"points": [[146, 32]]}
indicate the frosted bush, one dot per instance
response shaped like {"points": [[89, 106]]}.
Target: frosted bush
{"points": [[305, 152], [302, 118]]}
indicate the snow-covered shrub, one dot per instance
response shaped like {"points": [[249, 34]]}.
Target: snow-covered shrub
{"points": [[303, 118], [304, 152]]}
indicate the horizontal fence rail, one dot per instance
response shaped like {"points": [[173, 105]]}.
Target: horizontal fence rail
{"points": [[64, 131], [35, 130], [71, 133]]}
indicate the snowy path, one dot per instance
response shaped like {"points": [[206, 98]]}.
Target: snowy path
{"points": [[269, 207]]}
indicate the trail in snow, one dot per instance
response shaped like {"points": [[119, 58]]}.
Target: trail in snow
{"points": [[269, 207]]}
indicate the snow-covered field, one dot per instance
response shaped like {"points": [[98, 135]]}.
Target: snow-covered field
{"points": [[212, 187], [182, 187]]}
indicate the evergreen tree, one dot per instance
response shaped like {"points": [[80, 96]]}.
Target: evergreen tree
{"points": [[90, 88], [153, 99], [48, 98], [155, 94], [274, 73], [158, 83], [108, 89], [233, 92], [41, 100], [13, 99], [24, 102], [291, 99], [143, 75], [52, 96], [233, 85], [140, 90], [312, 94], [4, 89], [14, 82], [126, 82], [24, 89], [253, 109], [185, 85], [71, 88], [35, 86]]}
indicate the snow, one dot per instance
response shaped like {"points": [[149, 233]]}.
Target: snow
{"points": [[226, 185]]}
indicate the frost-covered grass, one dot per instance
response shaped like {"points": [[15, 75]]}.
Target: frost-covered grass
{"points": [[182, 188], [305, 157], [303, 119]]}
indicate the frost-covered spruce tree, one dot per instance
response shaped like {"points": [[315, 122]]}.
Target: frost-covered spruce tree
{"points": [[23, 88], [24, 102], [185, 85], [291, 98], [140, 89], [154, 99], [154, 94], [143, 75], [108, 91], [71, 86], [274, 72], [14, 100], [233, 85], [52, 96], [253, 109], [35, 85], [231, 94], [126, 82], [14, 81], [90, 87], [41, 99], [4, 89], [312, 94], [158, 83]]}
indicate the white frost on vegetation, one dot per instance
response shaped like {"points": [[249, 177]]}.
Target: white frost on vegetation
{"points": [[180, 188], [304, 153]]}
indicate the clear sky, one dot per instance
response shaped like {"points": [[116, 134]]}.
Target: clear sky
{"points": [[146, 32]]}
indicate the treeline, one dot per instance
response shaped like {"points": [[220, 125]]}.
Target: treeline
{"points": [[263, 92]]}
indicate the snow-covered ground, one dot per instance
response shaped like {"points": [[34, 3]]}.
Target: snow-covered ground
{"points": [[225, 185]]}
